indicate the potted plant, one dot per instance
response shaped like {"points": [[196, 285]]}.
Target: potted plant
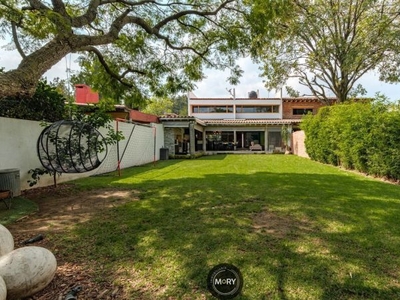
{"points": [[285, 133]]}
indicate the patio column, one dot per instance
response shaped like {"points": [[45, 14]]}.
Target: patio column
{"points": [[204, 140], [290, 129], [234, 140], [266, 139], [192, 149]]}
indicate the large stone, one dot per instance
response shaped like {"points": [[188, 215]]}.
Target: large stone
{"points": [[6, 241], [3, 289], [27, 270]]}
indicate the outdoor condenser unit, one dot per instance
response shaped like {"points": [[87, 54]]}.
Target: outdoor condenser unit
{"points": [[9, 180]]}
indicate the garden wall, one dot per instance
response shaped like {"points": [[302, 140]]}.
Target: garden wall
{"points": [[299, 147], [18, 140]]}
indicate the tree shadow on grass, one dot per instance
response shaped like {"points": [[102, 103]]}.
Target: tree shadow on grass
{"points": [[341, 241]]}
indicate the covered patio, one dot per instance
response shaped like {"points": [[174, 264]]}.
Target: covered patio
{"points": [[188, 135]]}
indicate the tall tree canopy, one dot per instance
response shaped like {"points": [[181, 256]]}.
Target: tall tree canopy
{"points": [[327, 44], [145, 45]]}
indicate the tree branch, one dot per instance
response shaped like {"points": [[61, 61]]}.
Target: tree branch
{"points": [[37, 5], [59, 7], [88, 17], [129, 3], [155, 31], [16, 41], [192, 12], [138, 3], [114, 75]]}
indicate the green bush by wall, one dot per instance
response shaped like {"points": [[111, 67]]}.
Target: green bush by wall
{"points": [[364, 136]]}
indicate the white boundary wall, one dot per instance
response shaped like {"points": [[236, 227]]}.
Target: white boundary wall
{"points": [[18, 139]]}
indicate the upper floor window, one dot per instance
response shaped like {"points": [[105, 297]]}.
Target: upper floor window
{"points": [[302, 111], [257, 109], [212, 109]]}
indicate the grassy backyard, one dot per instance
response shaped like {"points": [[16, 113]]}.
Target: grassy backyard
{"points": [[295, 228]]}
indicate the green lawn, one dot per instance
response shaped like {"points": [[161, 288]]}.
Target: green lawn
{"points": [[295, 228], [20, 207]]}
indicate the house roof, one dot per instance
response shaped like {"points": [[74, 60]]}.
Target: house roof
{"points": [[175, 117], [284, 99], [141, 117], [230, 122], [307, 99]]}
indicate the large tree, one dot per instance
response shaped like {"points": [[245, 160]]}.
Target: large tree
{"points": [[140, 43], [327, 44]]}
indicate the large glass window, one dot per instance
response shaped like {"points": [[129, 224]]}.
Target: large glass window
{"points": [[274, 141], [302, 111], [220, 140], [205, 109], [257, 109]]}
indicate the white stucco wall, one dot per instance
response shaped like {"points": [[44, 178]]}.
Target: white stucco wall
{"points": [[299, 147], [18, 139]]}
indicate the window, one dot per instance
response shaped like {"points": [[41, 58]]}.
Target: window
{"points": [[220, 140], [212, 109], [302, 111], [257, 109]]}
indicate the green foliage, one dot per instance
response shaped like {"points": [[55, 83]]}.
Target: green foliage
{"points": [[130, 50], [93, 74], [98, 118], [37, 173], [292, 92], [328, 45], [70, 150], [63, 87], [323, 150], [361, 135], [285, 134], [180, 105], [47, 104], [159, 106], [144, 65], [20, 207]]}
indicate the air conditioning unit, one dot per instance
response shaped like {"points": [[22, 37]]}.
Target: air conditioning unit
{"points": [[10, 180]]}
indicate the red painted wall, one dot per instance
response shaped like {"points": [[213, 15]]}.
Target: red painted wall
{"points": [[138, 116], [84, 94]]}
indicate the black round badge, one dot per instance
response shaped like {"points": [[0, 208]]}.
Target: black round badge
{"points": [[225, 281]]}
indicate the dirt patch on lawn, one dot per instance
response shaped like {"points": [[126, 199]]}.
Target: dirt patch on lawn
{"points": [[59, 209], [277, 226]]}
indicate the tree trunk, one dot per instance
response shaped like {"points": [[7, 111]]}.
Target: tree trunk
{"points": [[23, 80]]}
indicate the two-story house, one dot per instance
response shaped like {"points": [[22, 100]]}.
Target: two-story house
{"points": [[222, 125]]}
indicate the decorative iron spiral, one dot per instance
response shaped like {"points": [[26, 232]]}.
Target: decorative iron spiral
{"points": [[71, 147]]}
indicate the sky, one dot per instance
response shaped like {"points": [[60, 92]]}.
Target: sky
{"points": [[215, 83]]}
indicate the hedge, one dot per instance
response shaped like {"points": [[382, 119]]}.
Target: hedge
{"points": [[363, 136]]}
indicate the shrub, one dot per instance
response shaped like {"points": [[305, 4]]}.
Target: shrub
{"points": [[356, 135], [45, 105]]}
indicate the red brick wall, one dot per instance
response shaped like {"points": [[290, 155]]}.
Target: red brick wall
{"points": [[288, 107]]}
